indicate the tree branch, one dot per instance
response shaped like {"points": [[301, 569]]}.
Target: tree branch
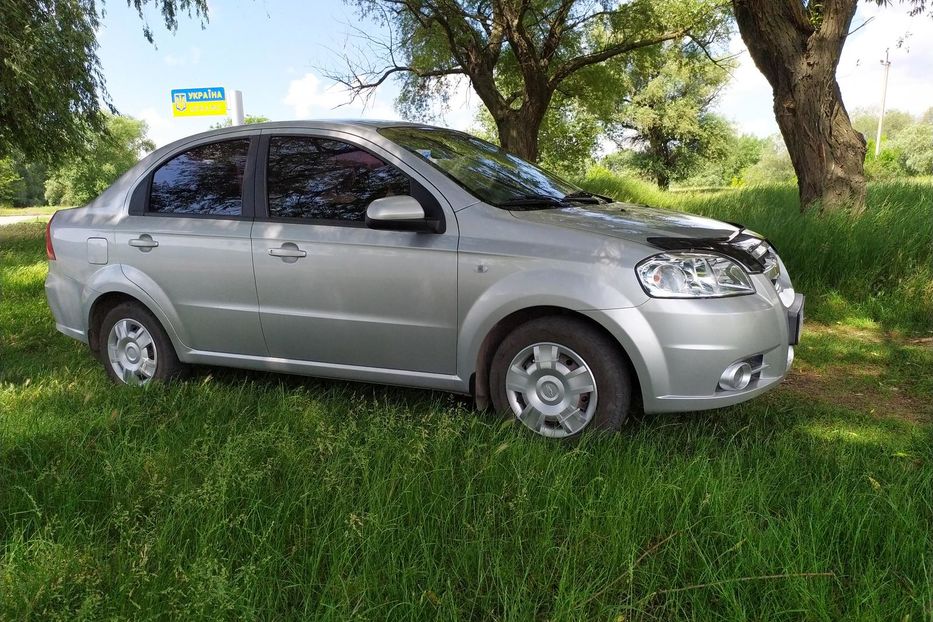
{"points": [[356, 82], [575, 64]]}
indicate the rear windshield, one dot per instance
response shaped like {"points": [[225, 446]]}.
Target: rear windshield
{"points": [[489, 172]]}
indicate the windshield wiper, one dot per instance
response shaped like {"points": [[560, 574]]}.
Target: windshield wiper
{"points": [[532, 201], [587, 197]]}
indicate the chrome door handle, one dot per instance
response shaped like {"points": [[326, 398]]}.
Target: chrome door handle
{"points": [[144, 243], [288, 252]]}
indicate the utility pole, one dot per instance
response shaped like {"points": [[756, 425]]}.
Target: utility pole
{"points": [[884, 95], [237, 105]]}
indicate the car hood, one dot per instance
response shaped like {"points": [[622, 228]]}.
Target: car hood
{"points": [[631, 222]]}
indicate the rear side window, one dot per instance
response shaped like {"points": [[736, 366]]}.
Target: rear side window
{"points": [[204, 181], [322, 179]]}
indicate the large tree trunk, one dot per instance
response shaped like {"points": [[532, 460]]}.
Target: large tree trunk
{"points": [[519, 136], [827, 153], [799, 60]]}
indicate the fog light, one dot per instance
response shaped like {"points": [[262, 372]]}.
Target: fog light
{"points": [[790, 358], [736, 377]]}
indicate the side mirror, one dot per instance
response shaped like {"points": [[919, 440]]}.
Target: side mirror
{"points": [[398, 213]]}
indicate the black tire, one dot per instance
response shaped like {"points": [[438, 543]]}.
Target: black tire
{"points": [[167, 365], [599, 352]]}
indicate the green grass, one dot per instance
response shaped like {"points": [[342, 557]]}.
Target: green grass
{"points": [[238, 495], [44, 210], [875, 267]]}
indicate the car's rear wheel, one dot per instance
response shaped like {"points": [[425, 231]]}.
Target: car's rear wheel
{"points": [[560, 376], [135, 348]]}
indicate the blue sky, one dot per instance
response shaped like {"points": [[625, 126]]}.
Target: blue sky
{"points": [[274, 52]]}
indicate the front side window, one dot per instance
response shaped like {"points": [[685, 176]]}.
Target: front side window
{"points": [[205, 181], [489, 172], [323, 179]]}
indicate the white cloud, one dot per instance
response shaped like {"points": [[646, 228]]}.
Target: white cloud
{"points": [[910, 44], [462, 106], [308, 97], [746, 100]]}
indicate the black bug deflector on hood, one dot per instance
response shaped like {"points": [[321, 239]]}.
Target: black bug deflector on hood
{"points": [[724, 246]]}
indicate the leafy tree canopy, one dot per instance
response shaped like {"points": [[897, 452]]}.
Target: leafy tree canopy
{"points": [[915, 146], [10, 180], [104, 157], [52, 89], [519, 55], [249, 119], [665, 113], [866, 121]]}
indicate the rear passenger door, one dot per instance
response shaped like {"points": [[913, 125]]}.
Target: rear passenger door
{"points": [[186, 242], [332, 290]]}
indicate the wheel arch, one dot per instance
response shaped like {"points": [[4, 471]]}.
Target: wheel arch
{"points": [[115, 283], [103, 302], [479, 380]]}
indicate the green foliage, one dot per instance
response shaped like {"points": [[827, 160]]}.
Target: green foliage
{"points": [[740, 153], [10, 181], [52, 88], [906, 145], [50, 76], [915, 144], [568, 138], [249, 119], [32, 190], [21, 183], [239, 495], [103, 159], [666, 115], [886, 165], [866, 121], [521, 58], [774, 165]]}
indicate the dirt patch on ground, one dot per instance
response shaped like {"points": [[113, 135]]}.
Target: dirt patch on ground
{"points": [[924, 342], [868, 335], [833, 384]]}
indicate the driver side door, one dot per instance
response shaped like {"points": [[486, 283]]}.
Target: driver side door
{"points": [[332, 290]]}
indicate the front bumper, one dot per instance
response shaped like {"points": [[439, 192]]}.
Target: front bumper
{"points": [[680, 348]]}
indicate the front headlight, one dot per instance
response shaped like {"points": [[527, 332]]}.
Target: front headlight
{"points": [[693, 275], [762, 251]]}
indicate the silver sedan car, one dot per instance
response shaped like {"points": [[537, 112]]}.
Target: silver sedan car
{"points": [[414, 255]]}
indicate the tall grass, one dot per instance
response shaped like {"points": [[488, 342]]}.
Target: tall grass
{"points": [[878, 265], [249, 496]]}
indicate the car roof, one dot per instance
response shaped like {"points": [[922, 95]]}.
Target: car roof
{"points": [[363, 126], [320, 124]]}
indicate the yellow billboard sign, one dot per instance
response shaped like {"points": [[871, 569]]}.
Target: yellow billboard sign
{"points": [[199, 102]]}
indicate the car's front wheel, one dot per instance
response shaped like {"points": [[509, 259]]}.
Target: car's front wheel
{"points": [[559, 376], [135, 348]]}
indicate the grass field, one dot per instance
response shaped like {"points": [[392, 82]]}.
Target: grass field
{"points": [[240, 495], [45, 210]]}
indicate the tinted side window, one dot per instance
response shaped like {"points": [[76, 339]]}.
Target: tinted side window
{"points": [[324, 179], [206, 180]]}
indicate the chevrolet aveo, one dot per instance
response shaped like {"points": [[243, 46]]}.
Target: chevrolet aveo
{"points": [[414, 255]]}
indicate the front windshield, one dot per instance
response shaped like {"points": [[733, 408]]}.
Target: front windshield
{"points": [[489, 172]]}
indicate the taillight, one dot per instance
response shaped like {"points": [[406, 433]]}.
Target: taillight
{"points": [[49, 251]]}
